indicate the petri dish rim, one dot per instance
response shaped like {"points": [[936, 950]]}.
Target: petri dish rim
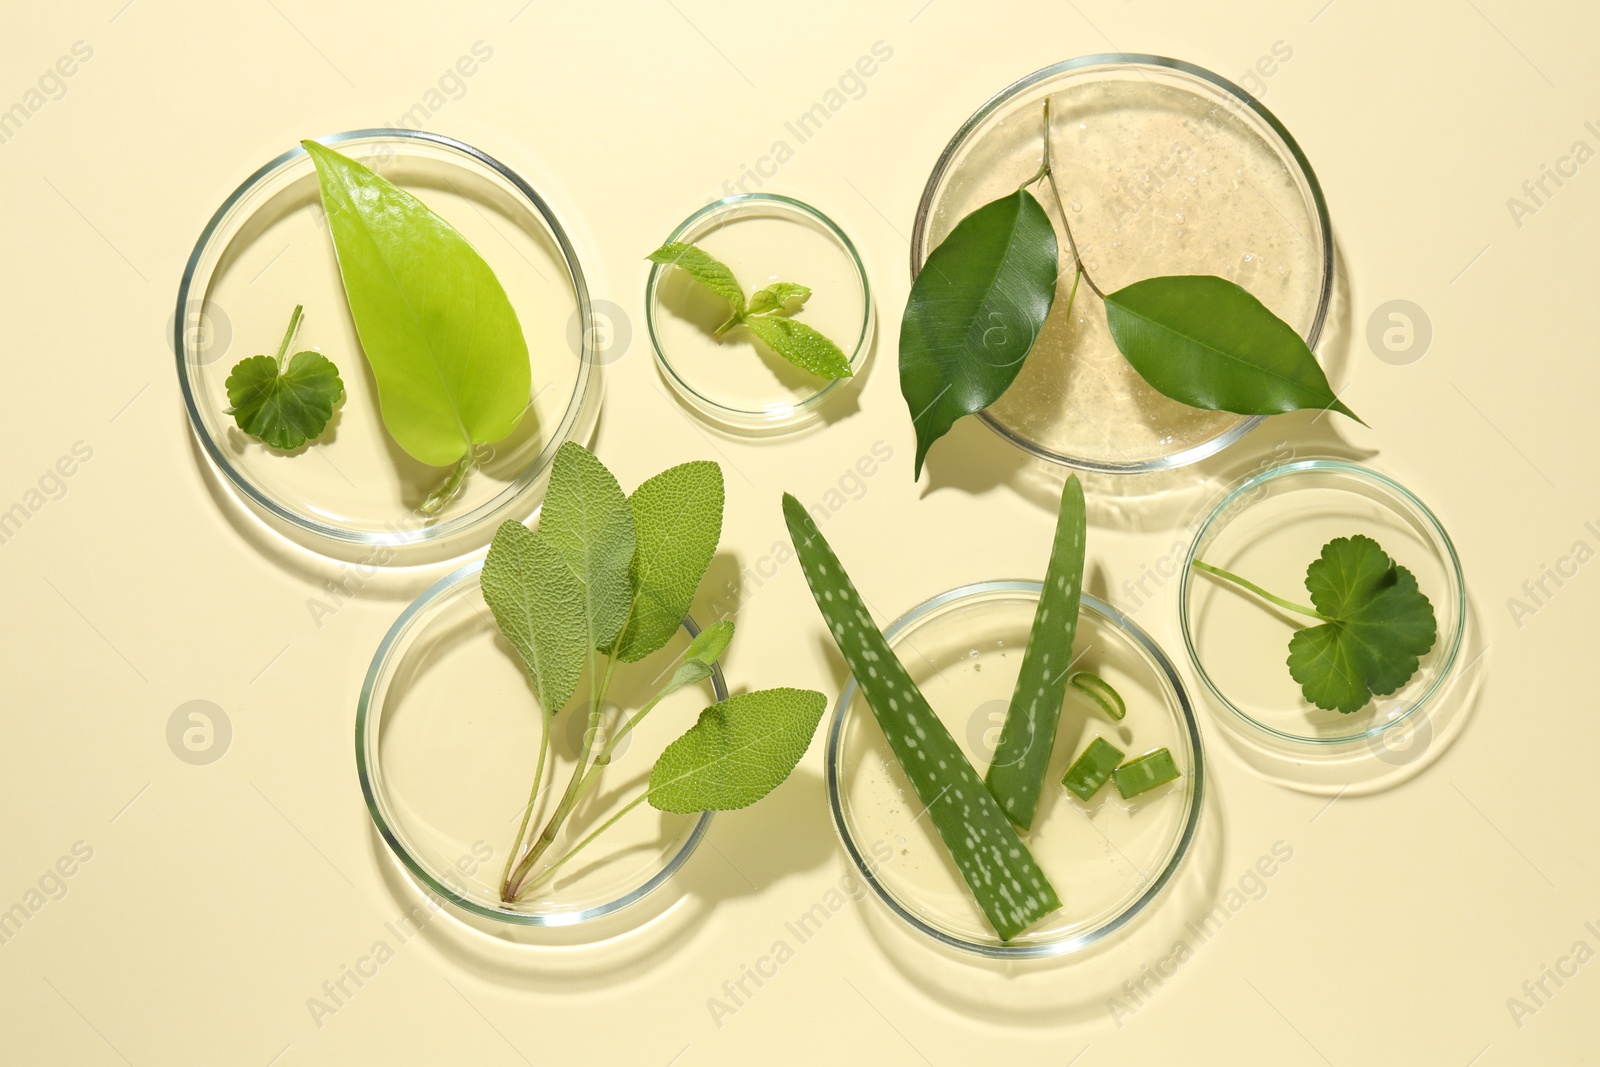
{"points": [[781, 416], [501, 506], [383, 664], [1418, 510], [1037, 950], [1133, 59]]}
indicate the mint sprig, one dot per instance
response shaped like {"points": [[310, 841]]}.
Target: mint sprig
{"points": [[766, 314]]}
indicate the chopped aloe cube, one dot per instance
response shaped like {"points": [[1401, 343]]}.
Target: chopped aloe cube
{"points": [[1145, 773], [1101, 692], [1092, 767]]}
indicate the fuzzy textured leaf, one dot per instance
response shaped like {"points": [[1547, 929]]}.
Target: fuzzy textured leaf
{"points": [[1004, 878], [1209, 343], [800, 345], [975, 309], [703, 652], [705, 268], [1022, 757], [677, 516], [588, 525], [1382, 625], [737, 752], [439, 332], [285, 409], [538, 605]]}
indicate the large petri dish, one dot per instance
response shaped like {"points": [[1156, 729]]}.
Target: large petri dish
{"points": [[267, 249], [1164, 168]]}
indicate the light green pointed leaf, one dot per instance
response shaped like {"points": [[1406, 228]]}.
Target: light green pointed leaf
{"points": [[586, 521], [442, 338], [738, 752], [538, 605], [678, 519]]}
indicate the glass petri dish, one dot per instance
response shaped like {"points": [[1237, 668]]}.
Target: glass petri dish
{"points": [[1165, 168], [1108, 859], [447, 734], [1268, 528], [764, 238], [267, 249]]}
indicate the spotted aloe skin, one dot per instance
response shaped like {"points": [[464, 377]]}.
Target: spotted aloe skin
{"points": [[1021, 759], [1002, 874]]}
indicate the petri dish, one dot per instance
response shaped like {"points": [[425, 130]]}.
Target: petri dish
{"points": [[267, 249], [737, 382], [1268, 528], [1164, 168], [447, 734], [1108, 859]]}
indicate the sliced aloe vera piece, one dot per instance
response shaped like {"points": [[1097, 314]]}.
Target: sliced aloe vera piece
{"points": [[1145, 773], [1101, 692], [1092, 769], [1002, 874], [1016, 775]]}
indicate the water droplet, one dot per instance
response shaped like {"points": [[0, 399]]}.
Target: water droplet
{"points": [[1179, 217], [1079, 207]]}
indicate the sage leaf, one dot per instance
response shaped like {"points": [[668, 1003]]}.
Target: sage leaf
{"points": [[705, 268], [538, 604], [1004, 878], [588, 525], [677, 519], [975, 309], [737, 752], [439, 332], [1208, 343], [1017, 772], [800, 345], [702, 654]]}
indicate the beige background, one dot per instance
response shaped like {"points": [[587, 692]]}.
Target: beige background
{"points": [[219, 898]]}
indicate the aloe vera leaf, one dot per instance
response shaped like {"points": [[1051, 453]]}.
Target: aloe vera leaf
{"points": [[1022, 758], [1145, 773], [1002, 874], [1092, 769]]}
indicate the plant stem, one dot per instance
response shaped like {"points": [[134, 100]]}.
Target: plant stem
{"points": [[1287, 605], [569, 798], [1047, 171], [735, 319], [451, 486], [545, 874], [288, 335], [527, 813]]}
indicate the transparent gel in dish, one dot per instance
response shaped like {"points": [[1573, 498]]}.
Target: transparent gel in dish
{"points": [[447, 736], [268, 249], [1164, 169], [1106, 858]]}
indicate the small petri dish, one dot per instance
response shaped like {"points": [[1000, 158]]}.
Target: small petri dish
{"points": [[1108, 859], [737, 382], [267, 249], [447, 734], [1268, 528], [1164, 168]]}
